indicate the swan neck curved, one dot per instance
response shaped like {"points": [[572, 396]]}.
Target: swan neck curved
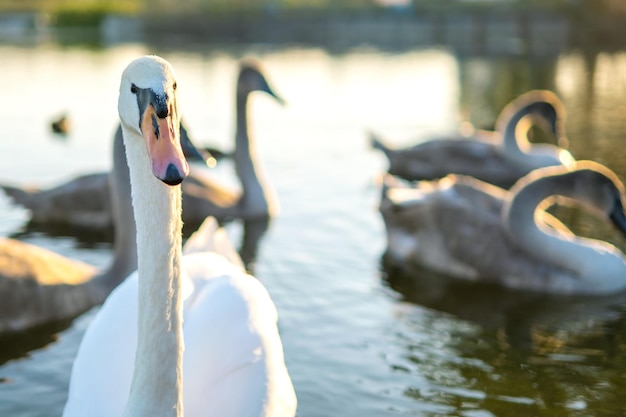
{"points": [[523, 216], [156, 388], [515, 135]]}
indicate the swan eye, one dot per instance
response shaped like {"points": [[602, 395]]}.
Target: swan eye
{"points": [[174, 86], [133, 89]]}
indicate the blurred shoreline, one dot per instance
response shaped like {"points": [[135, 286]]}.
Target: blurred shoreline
{"points": [[472, 32]]}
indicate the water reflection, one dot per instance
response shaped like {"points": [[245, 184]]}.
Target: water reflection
{"points": [[487, 85], [253, 231], [515, 314], [20, 344], [517, 354], [84, 237]]}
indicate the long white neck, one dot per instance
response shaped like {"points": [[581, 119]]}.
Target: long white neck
{"points": [[156, 388], [595, 264], [256, 195]]}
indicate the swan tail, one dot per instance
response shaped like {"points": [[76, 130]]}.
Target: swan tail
{"points": [[377, 143], [20, 196], [210, 237]]}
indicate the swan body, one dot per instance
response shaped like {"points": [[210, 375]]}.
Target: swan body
{"points": [[79, 203], [229, 332], [83, 203], [38, 286], [131, 360], [472, 230], [500, 157]]}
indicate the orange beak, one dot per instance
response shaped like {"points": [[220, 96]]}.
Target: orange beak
{"points": [[161, 136]]}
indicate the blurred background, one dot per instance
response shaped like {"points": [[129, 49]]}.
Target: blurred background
{"points": [[359, 339], [490, 27]]}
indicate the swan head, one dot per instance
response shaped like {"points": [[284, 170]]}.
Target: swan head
{"points": [[545, 115], [587, 183], [543, 108], [602, 190], [251, 79], [148, 108]]}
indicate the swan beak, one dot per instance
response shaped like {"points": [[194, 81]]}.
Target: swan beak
{"points": [[163, 142], [617, 216], [271, 92], [559, 134], [278, 98]]}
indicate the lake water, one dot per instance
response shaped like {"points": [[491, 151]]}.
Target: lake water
{"points": [[359, 341]]}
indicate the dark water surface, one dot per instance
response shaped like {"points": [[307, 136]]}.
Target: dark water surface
{"points": [[358, 341]]}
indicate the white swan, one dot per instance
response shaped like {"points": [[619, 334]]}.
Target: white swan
{"points": [[131, 362], [499, 157], [472, 230], [38, 286]]}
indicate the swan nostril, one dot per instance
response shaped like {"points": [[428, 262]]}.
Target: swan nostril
{"points": [[162, 113], [173, 176]]}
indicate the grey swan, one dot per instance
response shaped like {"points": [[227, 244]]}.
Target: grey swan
{"points": [[203, 196], [472, 230], [38, 286], [499, 157], [190, 333], [83, 203]]}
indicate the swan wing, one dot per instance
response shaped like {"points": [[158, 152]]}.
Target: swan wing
{"points": [[476, 237], [417, 226], [82, 201], [103, 368], [454, 226], [211, 238], [436, 159], [43, 286], [471, 156], [233, 363]]}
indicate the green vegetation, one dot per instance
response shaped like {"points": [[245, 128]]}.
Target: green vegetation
{"points": [[73, 13], [91, 12]]}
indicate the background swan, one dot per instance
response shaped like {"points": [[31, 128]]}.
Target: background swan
{"points": [[83, 203], [499, 157], [472, 230], [256, 199], [38, 286], [130, 361]]}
